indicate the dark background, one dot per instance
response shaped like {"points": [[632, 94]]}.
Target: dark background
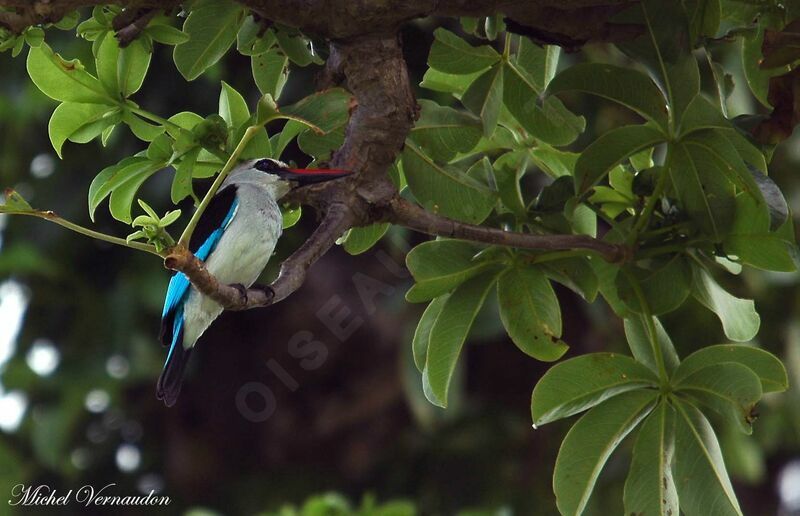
{"points": [[348, 414]]}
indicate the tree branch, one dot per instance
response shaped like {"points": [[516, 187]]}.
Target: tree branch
{"points": [[130, 23], [412, 216]]}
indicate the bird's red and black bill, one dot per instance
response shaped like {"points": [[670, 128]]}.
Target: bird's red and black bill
{"points": [[302, 176]]}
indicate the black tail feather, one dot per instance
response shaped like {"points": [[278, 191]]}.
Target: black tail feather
{"points": [[169, 383]]}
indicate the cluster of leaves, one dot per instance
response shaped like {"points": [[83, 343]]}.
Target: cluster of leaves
{"points": [[686, 190], [92, 105]]}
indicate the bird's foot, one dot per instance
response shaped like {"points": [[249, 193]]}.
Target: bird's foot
{"points": [[266, 289], [268, 292], [242, 291]]}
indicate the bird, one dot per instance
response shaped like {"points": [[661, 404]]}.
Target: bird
{"points": [[234, 237]]}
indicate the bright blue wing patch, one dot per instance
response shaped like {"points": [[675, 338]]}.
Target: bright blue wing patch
{"points": [[179, 284], [177, 328]]}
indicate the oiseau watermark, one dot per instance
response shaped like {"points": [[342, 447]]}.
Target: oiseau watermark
{"points": [[88, 496], [337, 316]]}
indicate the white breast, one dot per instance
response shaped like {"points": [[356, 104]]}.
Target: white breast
{"points": [[239, 257]]}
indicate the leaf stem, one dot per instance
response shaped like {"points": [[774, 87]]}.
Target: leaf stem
{"points": [[232, 159], [154, 118], [650, 206], [52, 217]]}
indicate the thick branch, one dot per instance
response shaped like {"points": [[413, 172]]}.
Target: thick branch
{"points": [[414, 217]]}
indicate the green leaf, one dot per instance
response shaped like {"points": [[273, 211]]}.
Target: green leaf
{"points": [[445, 189], [530, 313], [538, 62], [362, 239], [143, 130], [738, 316], [701, 478], [728, 161], [609, 150], [650, 487], [422, 335], [122, 70], [296, 48], [438, 266], [449, 333], [574, 273], [642, 348], [730, 389], [442, 132], [765, 365], [327, 109], [63, 80], [552, 122], [211, 27], [665, 285], [508, 170], [580, 383], [705, 193], [71, 121], [14, 202], [232, 107], [123, 194], [625, 86], [182, 182], [589, 444], [484, 98], [270, 72], [451, 54], [752, 242], [666, 49], [166, 34], [111, 177], [702, 114], [447, 83]]}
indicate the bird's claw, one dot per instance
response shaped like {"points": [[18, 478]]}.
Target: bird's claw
{"points": [[267, 290], [242, 291]]}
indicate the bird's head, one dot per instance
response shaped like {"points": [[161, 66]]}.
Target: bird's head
{"points": [[280, 177]]}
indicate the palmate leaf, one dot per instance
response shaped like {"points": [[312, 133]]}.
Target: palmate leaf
{"points": [[439, 266], [448, 334], [551, 122], [451, 54], [580, 383], [764, 364], [80, 122], [740, 321], [211, 26], [754, 244], [422, 335], [270, 72], [530, 313], [484, 98], [362, 239], [729, 388], [63, 80], [641, 347], [444, 188], [664, 286], [700, 475], [443, 132], [122, 70], [706, 194], [650, 486], [609, 150], [625, 86], [589, 444]]}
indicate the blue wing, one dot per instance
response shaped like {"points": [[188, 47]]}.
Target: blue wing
{"points": [[210, 229]]}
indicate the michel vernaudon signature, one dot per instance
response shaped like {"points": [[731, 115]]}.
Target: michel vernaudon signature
{"points": [[87, 495]]}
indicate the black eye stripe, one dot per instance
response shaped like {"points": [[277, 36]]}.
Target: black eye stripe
{"points": [[269, 166]]}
